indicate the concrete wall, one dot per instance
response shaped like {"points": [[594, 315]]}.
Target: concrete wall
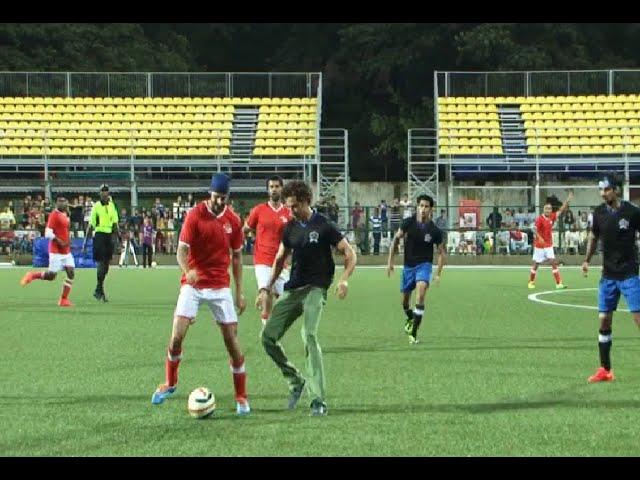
{"points": [[370, 193]]}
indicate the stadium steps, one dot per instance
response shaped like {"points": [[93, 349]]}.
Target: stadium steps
{"points": [[514, 140], [243, 135]]}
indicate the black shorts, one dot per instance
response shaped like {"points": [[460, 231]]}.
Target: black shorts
{"points": [[102, 247]]}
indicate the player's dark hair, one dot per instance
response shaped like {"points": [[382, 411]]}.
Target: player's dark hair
{"points": [[275, 178], [427, 198], [298, 189], [614, 180]]}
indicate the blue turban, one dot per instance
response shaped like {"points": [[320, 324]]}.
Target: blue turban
{"points": [[220, 183]]}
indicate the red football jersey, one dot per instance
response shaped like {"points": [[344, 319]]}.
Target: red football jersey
{"points": [[268, 223], [543, 228], [210, 237], [59, 223]]}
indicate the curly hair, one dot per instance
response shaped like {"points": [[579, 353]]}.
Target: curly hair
{"points": [[298, 189]]}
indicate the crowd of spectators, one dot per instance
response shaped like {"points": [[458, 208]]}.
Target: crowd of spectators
{"points": [[370, 229]]}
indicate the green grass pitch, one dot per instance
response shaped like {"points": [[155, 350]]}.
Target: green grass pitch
{"points": [[495, 374]]}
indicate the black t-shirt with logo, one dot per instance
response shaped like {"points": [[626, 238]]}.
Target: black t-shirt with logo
{"points": [[419, 241], [617, 231], [311, 242]]}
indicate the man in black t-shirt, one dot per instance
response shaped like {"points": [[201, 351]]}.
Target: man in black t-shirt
{"points": [[309, 238], [420, 234], [615, 222]]}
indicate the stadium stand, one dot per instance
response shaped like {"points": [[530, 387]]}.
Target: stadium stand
{"points": [[550, 125], [156, 127]]}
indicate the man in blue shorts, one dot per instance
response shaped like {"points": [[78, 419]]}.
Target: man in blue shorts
{"points": [[615, 223], [420, 234]]}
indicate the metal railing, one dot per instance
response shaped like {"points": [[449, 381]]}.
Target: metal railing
{"points": [[160, 84], [536, 83]]}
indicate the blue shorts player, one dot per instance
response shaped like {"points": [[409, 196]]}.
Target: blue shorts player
{"points": [[615, 223], [421, 235]]}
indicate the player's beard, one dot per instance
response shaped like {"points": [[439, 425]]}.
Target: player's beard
{"points": [[275, 197], [216, 208]]}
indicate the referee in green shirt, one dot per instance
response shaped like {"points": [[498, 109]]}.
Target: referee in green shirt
{"points": [[104, 220]]}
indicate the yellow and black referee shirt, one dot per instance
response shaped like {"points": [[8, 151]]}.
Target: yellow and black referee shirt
{"points": [[104, 216]]}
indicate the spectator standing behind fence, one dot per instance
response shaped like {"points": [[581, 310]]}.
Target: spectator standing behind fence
{"points": [[7, 219], [26, 207], [494, 220], [383, 216], [332, 209], [76, 215], [88, 206], [441, 221], [356, 215], [508, 221], [171, 233], [177, 206], [136, 223], [568, 219], [160, 208], [376, 230], [520, 217], [407, 210], [161, 235], [147, 242], [395, 216]]}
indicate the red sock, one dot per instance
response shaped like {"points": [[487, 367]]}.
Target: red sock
{"points": [[171, 367], [556, 275], [37, 275], [66, 287], [532, 275], [239, 379]]}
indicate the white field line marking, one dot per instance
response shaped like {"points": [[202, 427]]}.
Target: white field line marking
{"points": [[534, 298]]}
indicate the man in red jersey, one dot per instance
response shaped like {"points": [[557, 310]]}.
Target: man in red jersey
{"points": [[57, 230], [210, 230], [268, 221], [543, 243]]}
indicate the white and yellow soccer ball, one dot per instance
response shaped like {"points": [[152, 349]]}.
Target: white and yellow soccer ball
{"points": [[202, 403], [154, 264]]}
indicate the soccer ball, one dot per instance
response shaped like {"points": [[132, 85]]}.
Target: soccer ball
{"points": [[154, 264], [202, 403]]}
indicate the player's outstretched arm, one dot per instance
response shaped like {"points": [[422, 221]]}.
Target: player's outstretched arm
{"points": [[246, 229], [592, 243], [182, 256], [442, 254], [251, 222], [276, 270], [350, 260], [392, 250], [236, 267], [565, 205], [278, 264]]}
